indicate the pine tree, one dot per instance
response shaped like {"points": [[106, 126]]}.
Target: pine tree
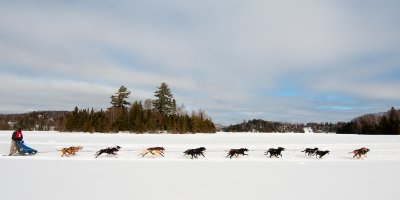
{"points": [[136, 116], [118, 100], [165, 103], [394, 121], [383, 125]]}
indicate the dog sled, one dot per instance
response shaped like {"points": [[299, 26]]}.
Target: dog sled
{"points": [[23, 150]]}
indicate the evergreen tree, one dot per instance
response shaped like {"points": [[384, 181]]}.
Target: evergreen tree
{"points": [[136, 116], [393, 121], [157, 115], [383, 125], [165, 103], [118, 100]]}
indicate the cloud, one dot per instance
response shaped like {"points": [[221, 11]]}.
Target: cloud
{"points": [[236, 60]]}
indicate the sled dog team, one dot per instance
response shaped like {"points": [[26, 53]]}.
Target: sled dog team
{"points": [[195, 153], [19, 148]]}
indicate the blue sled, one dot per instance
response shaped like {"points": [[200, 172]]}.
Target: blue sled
{"points": [[24, 150]]}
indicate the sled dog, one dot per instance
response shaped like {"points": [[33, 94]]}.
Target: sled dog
{"points": [[359, 153], [237, 152], [153, 151], [110, 151], [321, 153], [309, 151], [195, 152], [275, 152], [67, 151]]}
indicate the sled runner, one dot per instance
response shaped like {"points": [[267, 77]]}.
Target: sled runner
{"points": [[23, 150]]}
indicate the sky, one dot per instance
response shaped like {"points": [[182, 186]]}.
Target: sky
{"points": [[290, 61]]}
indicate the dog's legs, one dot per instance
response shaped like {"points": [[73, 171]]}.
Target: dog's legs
{"points": [[144, 154], [98, 154]]}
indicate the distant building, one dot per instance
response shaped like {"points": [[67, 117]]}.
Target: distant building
{"points": [[308, 130]]}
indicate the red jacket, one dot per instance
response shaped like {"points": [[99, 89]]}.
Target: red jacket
{"points": [[17, 136]]}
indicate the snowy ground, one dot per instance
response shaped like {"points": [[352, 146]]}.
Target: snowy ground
{"points": [[47, 176]]}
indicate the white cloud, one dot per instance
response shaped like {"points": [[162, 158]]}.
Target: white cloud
{"points": [[225, 57]]}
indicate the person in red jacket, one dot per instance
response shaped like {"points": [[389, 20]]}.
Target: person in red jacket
{"points": [[16, 136]]}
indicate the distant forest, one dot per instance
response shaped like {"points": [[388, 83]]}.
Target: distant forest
{"points": [[387, 123], [163, 115], [158, 115], [258, 125]]}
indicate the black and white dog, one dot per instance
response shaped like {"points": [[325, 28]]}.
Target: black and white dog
{"points": [[110, 151]]}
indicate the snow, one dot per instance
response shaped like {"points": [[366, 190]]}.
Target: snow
{"points": [[308, 130], [47, 176]]}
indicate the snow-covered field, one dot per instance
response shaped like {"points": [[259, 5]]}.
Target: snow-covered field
{"points": [[292, 177]]}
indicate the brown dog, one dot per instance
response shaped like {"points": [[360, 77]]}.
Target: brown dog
{"points": [[359, 153], [75, 149], [70, 151], [153, 151], [64, 151]]}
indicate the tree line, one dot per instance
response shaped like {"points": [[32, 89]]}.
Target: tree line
{"points": [[36, 120], [158, 115], [163, 115], [258, 125], [387, 123]]}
